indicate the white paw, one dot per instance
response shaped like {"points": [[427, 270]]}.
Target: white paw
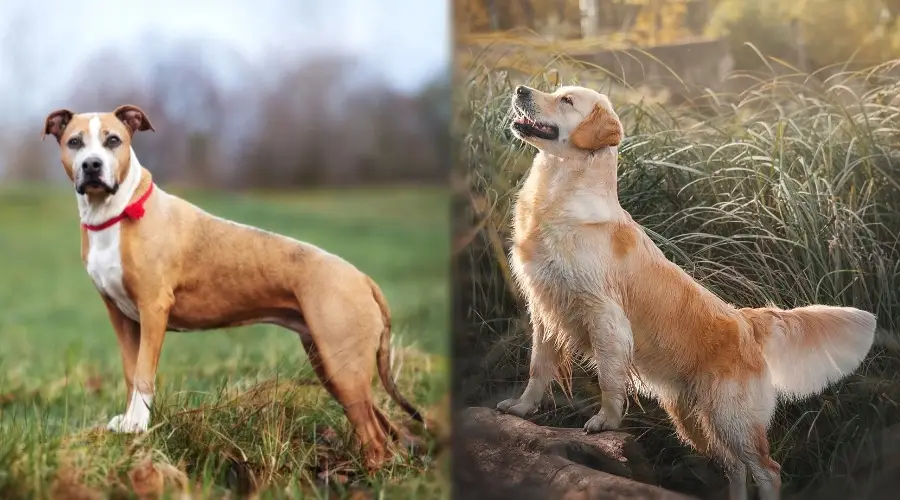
{"points": [[517, 407], [601, 422], [125, 424]]}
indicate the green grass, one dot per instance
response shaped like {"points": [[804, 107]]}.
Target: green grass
{"points": [[787, 193], [231, 401]]}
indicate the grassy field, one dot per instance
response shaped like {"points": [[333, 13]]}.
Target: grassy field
{"points": [[239, 410], [786, 194]]}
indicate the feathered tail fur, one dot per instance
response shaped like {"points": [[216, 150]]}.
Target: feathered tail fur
{"points": [[810, 347]]}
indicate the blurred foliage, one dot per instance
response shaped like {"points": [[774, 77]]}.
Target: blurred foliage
{"points": [[479, 16], [816, 33], [327, 120], [761, 23], [659, 21], [642, 22], [808, 34]]}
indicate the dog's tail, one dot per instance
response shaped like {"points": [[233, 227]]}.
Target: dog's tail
{"points": [[808, 348], [384, 357]]}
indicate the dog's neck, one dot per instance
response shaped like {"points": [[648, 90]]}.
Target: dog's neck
{"points": [[93, 212], [601, 175], [587, 185]]}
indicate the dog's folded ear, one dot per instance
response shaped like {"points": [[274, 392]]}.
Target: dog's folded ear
{"points": [[133, 117], [56, 122], [600, 129]]}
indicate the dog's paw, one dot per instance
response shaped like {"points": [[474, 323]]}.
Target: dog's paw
{"points": [[124, 424], [601, 422], [506, 404], [517, 407]]}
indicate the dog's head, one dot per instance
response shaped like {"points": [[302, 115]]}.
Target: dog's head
{"points": [[96, 147], [572, 119]]}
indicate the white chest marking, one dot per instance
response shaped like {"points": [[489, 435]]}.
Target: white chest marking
{"points": [[104, 258], [104, 265]]}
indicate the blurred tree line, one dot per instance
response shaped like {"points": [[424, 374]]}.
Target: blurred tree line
{"points": [[646, 22], [810, 34], [329, 120]]}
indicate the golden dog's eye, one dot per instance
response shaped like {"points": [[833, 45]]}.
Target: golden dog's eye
{"points": [[75, 143], [567, 100], [113, 141]]}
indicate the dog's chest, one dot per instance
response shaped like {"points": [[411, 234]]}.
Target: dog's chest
{"points": [[558, 265], [104, 265]]}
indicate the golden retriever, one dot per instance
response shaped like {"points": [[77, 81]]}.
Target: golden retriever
{"points": [[596, 286]]}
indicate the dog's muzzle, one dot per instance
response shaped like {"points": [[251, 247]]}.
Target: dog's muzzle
{"points": [[525, 123], [90, 177]]}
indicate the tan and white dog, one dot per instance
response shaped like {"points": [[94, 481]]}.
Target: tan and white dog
{"points": [[596, 286], [162, 264]]}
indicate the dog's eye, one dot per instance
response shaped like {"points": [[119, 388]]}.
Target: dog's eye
{"points": [[75, 143], [113, 141], [567, 100]]}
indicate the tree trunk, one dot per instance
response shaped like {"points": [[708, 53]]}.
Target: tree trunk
{"points": [[590, 17], [799, 45], [493, 15]]}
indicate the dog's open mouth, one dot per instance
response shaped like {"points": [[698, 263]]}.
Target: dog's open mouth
{"points": [[96, 186], [531, 128]]}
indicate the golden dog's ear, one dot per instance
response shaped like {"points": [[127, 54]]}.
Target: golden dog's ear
{"points": [[599, 130], [134, 117], [56, 122]]}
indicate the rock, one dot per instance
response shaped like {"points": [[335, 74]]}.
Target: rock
{"points": [[498, 456]]}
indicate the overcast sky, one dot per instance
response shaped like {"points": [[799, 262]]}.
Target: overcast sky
{"points": [[408, 40]]}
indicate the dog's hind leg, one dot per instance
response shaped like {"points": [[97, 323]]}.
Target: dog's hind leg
{"points": [[765, 471], [351, 387], [738, 424], [545, 364], [612, 347], [341, 343], [691, 425], [751, 449], [687, 423]]}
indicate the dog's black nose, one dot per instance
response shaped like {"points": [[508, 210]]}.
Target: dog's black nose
{"points": [[522, 91], [92, 165]]}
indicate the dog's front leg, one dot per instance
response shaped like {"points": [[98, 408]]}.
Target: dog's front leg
{"points": [[136, 418], [545, 360], [128, 332], [612, 346]]}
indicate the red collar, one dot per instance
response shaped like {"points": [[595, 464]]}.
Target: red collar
{"points": [[134, 211]]}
